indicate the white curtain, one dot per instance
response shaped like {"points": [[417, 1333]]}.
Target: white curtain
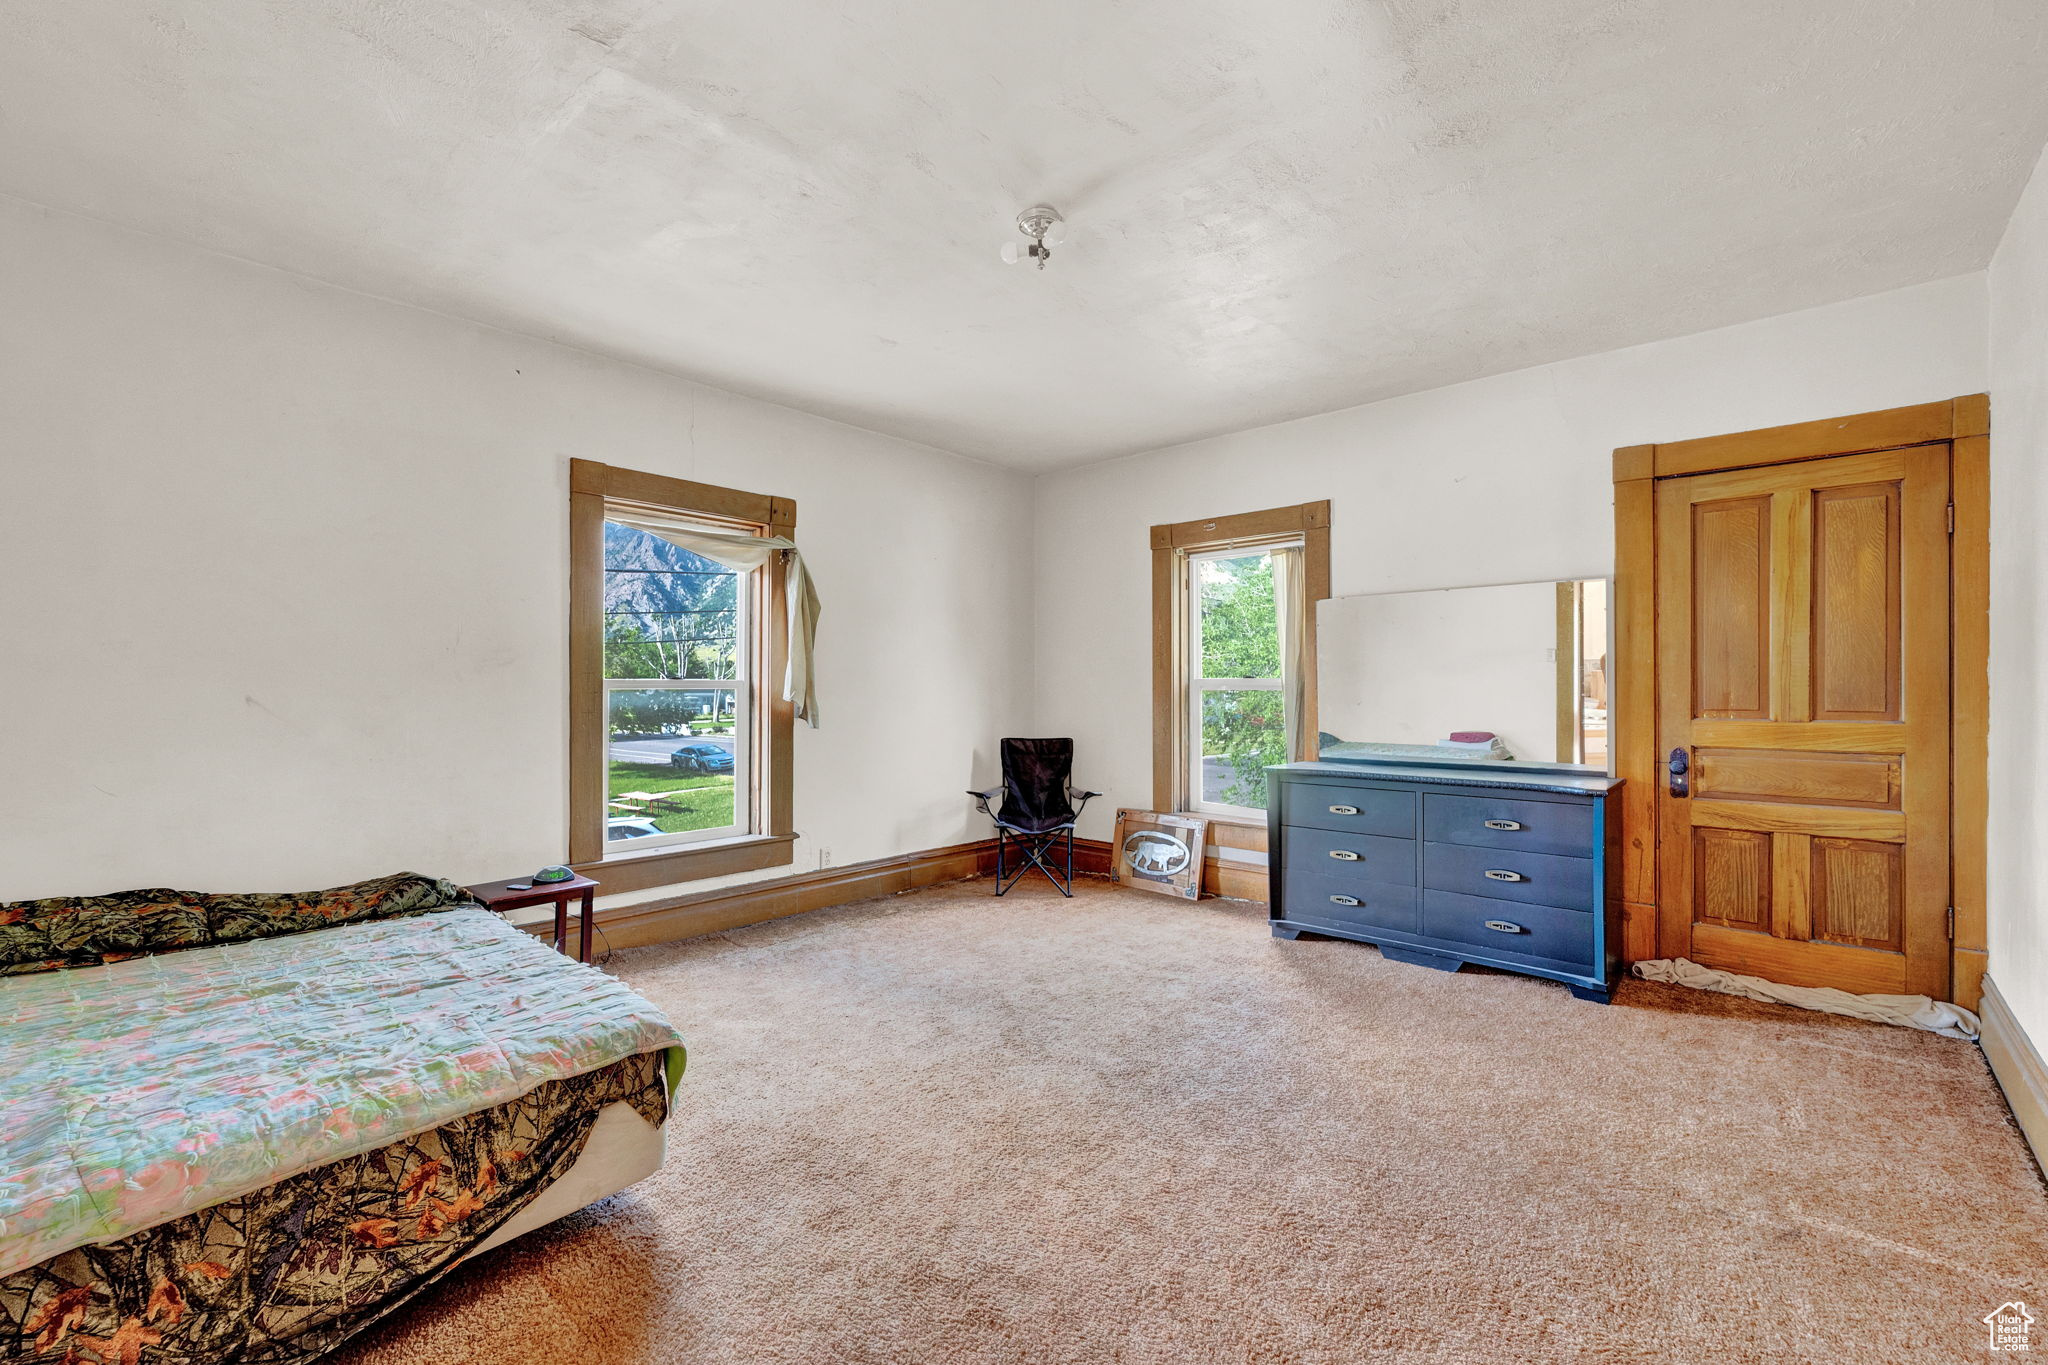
{"points": [[745, 554], [1290, 591]]}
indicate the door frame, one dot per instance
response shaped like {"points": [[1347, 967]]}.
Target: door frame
{"points": [[1962, 424]]}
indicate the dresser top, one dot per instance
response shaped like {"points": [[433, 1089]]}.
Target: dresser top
{"points": [[1512, 776]]}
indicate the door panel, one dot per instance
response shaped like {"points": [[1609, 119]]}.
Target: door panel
{"points": [[1814, 779], [1731, 548], [1802, 625], [1795, 963], [1855, 617], [1732, 869], [1858, 895]]}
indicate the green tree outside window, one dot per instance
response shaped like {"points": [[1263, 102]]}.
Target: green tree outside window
{"points": [[1240, 638]]}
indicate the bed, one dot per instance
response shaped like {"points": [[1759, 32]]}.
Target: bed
{"points": [[243, 1128]]}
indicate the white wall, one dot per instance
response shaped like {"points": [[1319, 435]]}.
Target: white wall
{"points": [[2019, 594], [283, 581], [282, 584], [1501, 480]]}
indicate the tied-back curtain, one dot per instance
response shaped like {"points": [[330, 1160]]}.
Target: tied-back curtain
{"points": [[745, 554], [1290, 588]]}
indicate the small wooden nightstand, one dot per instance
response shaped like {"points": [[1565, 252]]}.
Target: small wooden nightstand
{"points": [[519, 892]]}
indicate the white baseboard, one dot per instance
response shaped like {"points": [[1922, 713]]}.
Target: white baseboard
{"points": [[2018, 1066]]}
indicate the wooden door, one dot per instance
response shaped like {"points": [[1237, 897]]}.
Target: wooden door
{"points": [[1803, 664]]}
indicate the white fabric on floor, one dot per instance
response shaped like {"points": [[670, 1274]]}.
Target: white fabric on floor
{"points": [[1914, 1011]]}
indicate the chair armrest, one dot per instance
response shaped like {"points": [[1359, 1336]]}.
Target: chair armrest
{"points": [[991, 794], [1074, 794]]}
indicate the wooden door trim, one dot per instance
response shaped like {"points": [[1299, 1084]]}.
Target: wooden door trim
{"points": [[1964, 424], [1633, 715], [1969, 492], [1888, 429]]}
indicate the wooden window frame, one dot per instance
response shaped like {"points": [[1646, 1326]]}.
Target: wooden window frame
{"points": [[592, 485], [1307, 524], [1964, 425]]}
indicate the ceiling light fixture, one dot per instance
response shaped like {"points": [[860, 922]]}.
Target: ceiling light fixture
{"points": [[1046, 229]]}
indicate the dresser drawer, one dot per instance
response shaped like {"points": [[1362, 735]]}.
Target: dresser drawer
{"points": [[1349, 903], [1367, 810], [1532, 878], [1504, 822], [1544, 931], [1352, 857]]}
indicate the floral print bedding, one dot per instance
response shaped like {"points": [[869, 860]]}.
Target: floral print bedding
{"points": [[140, 1091], [282, 1275]]}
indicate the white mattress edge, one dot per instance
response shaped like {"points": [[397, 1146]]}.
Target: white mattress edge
{"points": [[623, 1148]]}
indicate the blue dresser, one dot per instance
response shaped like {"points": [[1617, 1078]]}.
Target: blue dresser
{"points": [[1504, 865]]}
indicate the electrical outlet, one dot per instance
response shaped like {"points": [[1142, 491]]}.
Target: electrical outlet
{"points": [[824, 858]]}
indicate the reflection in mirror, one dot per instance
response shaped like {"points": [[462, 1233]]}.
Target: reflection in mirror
{"points": [[1588, 599], [1516, 672]]}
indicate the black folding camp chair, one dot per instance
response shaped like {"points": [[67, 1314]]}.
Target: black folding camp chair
{"points": [[1039, 809]]}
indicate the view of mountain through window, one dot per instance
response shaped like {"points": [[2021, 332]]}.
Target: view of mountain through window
{"points": [[675, 662]]}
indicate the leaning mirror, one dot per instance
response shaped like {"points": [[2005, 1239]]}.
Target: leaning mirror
{"points": [[1517, 672]]}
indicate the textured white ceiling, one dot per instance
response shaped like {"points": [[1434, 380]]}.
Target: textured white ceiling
{"points": [[1279, 208]]}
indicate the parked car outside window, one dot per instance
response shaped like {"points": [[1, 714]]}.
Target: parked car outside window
{"points": [[701, 758]]}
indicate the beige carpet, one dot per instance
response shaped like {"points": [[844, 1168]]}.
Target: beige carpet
{"points": [[950, 1129]]}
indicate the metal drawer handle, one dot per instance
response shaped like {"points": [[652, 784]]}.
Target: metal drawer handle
{"points": [[1502, 926], [1346, 900], [1343, 810], [1497, 875], [1347, 856], [1503, 824]]}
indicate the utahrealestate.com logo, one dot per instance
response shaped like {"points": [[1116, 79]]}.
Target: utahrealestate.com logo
{"points": [[2009, 1323]]}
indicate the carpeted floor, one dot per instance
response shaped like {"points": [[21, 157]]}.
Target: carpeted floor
{"points": [[945, 1128]]}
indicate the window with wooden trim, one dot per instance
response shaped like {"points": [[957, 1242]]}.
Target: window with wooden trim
{"points": [[1234, 654], [679, 672], [679, 747]]}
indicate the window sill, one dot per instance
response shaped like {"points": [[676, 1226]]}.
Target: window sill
{"points": [[1247, 832], [691, 862]]}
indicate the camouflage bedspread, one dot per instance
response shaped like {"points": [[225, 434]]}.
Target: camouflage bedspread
{"points": [[282, 1275], [240, 1127], [139, 1091]]}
